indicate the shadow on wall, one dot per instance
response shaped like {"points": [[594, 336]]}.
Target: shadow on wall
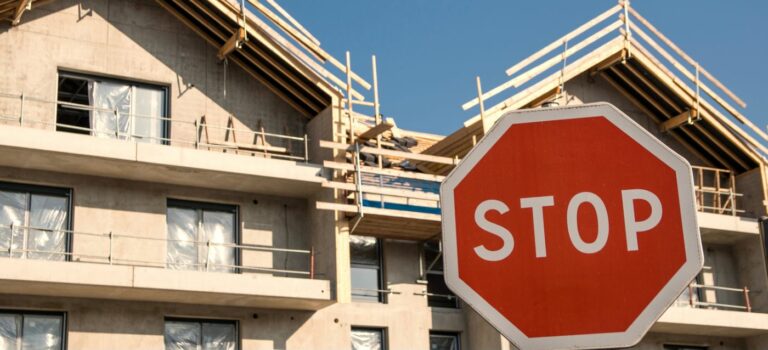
{"points": [[148, 35]]}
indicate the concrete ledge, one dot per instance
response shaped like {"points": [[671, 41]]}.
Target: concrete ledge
{"points": [[98, 281], [87, 155], [718, 228], [684, 320]]}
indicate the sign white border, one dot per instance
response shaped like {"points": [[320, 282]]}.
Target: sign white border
{"points": [[666, 296]]}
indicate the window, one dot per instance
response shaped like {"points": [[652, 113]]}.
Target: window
{"points": [[438, 294], [202, 236], [368, 339], [443, 341], [684, 347], [365, 256], [111, 108], [34, 221], [185, 334], [31, 330]]}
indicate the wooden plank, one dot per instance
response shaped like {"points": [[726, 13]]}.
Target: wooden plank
{"points": [[716, 140], [390, 153], [522, 98], [216, 44], [390, 172], [376, 130], [293, 21], [20, 8], [650, 114], [347, 186], [708, 112], [234, 41], [687, 58], [377, 211], [674, 122], [703, 86], [533, 72]]}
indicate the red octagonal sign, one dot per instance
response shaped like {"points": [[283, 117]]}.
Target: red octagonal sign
{"points": [[570, 228]]}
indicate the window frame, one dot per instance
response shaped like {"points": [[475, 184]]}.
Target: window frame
{"points": [[46, 190], [165, 133], [221, 207], [381, 295], [427, 272], [64, 321], [456, 335], [200, 321], [381, 330]]}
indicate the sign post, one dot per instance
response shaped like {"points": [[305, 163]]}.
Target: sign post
{"points": [[570, 228]]}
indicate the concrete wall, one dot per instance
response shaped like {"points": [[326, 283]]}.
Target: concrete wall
{"points": [[139, 41], [103, 205], [750, 184], [656, 341]]}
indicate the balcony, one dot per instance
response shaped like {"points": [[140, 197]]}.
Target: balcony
{"points": [[372, 195], [153, 148], [137, 267]]}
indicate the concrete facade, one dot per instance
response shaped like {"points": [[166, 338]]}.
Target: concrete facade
{"points": [[116, 293]]}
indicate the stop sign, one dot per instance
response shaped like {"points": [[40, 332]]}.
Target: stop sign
{"points": [[570, 228]]}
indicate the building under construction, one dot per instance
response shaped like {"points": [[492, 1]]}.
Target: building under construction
{"points": [[201, 174]]}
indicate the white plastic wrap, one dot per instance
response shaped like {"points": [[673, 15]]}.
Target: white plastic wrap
{"points": [[219, 336], [10, 327], [443, 342], [13, 205], [219, 228], [42, 332], [47, 212], [106, 98], [182, 335], [182, 234], [366, 339], [149, 107]]}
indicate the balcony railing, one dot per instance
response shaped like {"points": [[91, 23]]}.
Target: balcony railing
{"points": [[698, 298], [132, 250], [26, 111], [695, 292], [715, 190]]}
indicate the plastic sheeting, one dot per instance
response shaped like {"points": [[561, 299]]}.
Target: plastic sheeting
{"points": [[13, 206], [45, 212], [187, 246], [182, 234], [181, 335], [443, 342], [139, 110], [10, 325], [42, 332], [106, 98], [366, 339], [39, 332], [219, 228]]}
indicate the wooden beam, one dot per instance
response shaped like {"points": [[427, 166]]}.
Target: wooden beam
{"points": [[234, 42], [389, 172], [390, 153], [22, 6], [386, 191], [376, 130], [650, 114], [404, 214], [674, 122]]}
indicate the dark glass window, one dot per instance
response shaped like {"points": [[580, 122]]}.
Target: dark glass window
{"points": [[438, 294], [684, 347], [365, 258]]}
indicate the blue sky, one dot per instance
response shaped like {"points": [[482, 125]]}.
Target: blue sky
{"points": [[429, 52]]}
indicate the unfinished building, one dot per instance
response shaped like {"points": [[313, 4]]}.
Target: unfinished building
{"points": [[202, 174]]}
